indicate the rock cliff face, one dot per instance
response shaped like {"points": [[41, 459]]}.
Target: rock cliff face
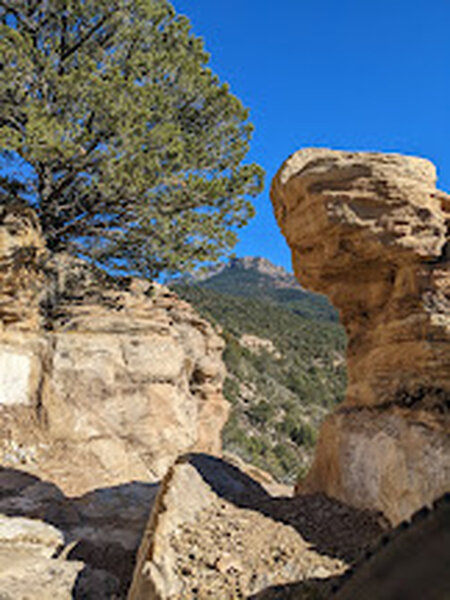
{"points": [[21, 250], [101, 381], [372, 232]]}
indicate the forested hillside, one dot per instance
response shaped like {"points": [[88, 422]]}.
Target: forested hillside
{"points": [[285, 359]]}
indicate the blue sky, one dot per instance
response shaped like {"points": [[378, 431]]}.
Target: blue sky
{"points": [[349, 74]]}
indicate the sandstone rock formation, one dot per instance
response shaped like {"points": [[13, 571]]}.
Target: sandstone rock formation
{"points": [[101, 381], [98, 533], [28, 568], [215, 533], [21, 251], [372, 232]]}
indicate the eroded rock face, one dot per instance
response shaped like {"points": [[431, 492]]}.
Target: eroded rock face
{"points": [[372, 232], [21, 252], [101, 381]]}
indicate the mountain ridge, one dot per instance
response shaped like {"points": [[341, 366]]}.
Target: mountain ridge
{"points": [[285, 356], [281, 277]]}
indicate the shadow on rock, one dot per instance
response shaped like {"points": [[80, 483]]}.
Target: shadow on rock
{"points": [[332, 527], [102, 528], [313, 589]]}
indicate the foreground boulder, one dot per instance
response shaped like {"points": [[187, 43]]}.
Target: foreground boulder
{"points": [[41, 528], [102, 380], [372, 232], [215, 533], [28, 566]]}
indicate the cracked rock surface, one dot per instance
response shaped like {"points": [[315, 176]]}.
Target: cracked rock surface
{"points": [[102, 380]]}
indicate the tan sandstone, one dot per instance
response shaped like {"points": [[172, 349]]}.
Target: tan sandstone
{"points": [[215, 533], [101, 380], [371, 231], [103, 383]]}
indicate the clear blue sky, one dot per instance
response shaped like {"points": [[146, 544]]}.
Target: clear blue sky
{"points": [[349, 74]]}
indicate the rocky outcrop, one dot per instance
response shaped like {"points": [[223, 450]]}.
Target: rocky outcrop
{"points": [[75, 547], [102, 380], [21, 252], [216, 533], [28, 568], [372, 232], [103, 383]]}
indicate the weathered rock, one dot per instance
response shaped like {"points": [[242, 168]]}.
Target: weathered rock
{"points": [[259, 345], [99, 533], [372, 232], [102, 380], [27, 567], [216, 533], [22, 250]]}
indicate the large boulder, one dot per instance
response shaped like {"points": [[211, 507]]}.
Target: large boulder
{"points": [[216, 533], [372, 232]]}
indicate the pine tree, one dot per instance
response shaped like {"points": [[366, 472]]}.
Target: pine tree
{"points": [[132, 150]]}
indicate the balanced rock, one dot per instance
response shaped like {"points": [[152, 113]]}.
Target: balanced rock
{"points": [[372, 232]]}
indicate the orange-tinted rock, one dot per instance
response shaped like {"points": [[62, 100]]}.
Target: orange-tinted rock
{"points": [[371, 231]]}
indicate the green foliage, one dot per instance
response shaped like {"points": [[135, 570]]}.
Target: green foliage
{"points": [[261, 413], [278, 402], [231, 390], [258, 286], [133, 147], [302, 434]]}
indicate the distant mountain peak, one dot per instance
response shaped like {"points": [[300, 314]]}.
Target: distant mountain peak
{"points": [[274, 275], [278, 276], [258, 263]]}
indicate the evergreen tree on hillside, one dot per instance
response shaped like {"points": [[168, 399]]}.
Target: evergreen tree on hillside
{"points": [[131, 148]]}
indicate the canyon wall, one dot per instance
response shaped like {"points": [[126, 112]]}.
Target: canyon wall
{"points": [[371, 231]]}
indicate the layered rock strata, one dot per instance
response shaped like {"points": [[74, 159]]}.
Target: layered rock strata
{"points": [[103, 383], [101, 380], [21, 252], [372, 232]]}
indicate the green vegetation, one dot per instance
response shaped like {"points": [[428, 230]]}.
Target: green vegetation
{"points": [[131, 150], [253, 284], [278, 401]]}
